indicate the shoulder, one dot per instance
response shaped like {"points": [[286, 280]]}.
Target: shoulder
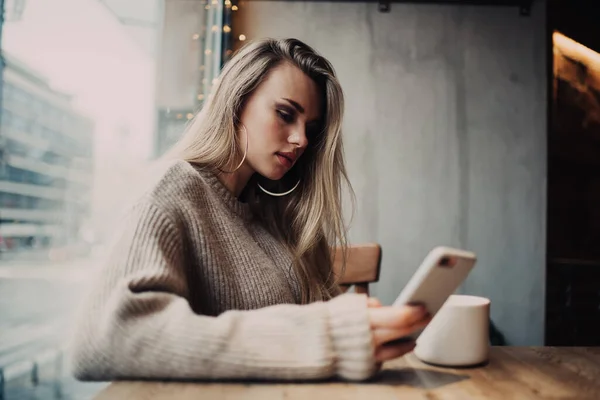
{"points": [[170, 188], [173, 180]]}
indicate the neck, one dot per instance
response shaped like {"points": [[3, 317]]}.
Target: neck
{"points": [[236, 181]]}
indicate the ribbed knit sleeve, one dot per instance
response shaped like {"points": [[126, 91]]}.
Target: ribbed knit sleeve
{"points": [[138, 322]]}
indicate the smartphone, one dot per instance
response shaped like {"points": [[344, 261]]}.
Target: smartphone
{"points": [[438, 277]]}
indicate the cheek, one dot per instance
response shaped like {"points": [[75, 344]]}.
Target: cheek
{"points": [[275, 131], [270, 133]]}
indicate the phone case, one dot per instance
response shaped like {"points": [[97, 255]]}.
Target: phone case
{"points": [[438, 277]]}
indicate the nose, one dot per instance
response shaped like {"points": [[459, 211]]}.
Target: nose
{"points": [[298, 138]]}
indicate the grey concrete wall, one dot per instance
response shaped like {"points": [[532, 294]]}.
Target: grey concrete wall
{"points": [[445, 136]]}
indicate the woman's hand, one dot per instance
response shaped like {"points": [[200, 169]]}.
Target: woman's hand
{"points": [[391, 323]]}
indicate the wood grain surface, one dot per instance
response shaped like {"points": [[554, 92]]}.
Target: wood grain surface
{"points": [[512, 373]]}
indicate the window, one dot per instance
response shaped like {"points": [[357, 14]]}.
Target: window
{"points": [[7, 119], [69, 109], [19, 123]]}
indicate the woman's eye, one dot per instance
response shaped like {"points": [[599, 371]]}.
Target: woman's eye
{"points": [[285, 117]]}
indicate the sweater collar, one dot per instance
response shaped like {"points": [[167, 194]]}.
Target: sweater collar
{"points": [[232, 202]]}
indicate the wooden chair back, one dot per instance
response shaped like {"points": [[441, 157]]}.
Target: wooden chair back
{"points": [[363, 263]]}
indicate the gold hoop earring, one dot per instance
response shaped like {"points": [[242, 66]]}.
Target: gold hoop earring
{"points": [[279, 194], [243, 158]]}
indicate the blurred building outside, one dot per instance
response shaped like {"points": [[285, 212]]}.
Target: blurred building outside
{"points": [[61, 195], [77, 121], [46, 168]]}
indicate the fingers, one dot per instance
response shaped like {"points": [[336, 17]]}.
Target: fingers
{"points": [[386, 353], [389, 324], [384, 335], [372, 302], [396, 318], [378, 366], [381, 336]]}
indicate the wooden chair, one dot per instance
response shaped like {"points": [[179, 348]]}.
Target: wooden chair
{"points": [[363, 262]]}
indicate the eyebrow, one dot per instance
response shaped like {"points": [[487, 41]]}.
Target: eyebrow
{"points": [[296, 105]]}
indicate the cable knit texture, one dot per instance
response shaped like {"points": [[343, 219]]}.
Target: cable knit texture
{"points": [[195, 288]]}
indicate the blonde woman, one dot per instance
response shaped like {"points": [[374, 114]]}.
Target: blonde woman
{"points": [[223, 268]]}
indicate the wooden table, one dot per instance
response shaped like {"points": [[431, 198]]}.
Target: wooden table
{"points": [[512, 373]]}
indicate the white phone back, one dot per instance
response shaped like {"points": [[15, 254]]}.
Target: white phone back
{"points": [[432, 284]]}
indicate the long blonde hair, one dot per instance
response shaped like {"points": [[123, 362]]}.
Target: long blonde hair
{"points": [[309, 221]]}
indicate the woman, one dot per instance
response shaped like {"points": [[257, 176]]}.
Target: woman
{"points": [[223, 268]]}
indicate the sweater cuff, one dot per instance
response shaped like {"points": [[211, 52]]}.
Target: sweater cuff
{"points": [[352, 338]]}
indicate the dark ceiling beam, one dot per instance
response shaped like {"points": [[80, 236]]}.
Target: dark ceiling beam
{"points": [[524, 6]]}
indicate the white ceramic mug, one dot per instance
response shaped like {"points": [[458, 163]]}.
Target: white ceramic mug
{"points": [[458, 335]]}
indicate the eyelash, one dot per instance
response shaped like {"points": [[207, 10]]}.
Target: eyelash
{"points": [[285, 117], [288, 118]]}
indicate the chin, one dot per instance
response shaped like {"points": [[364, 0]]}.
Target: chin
{"points": [[273, 174]]}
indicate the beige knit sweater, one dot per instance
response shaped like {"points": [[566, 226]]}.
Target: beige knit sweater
{"points": [[195, 289]]}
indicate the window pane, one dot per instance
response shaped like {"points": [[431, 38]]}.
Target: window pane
{"points": [[92, 92]]}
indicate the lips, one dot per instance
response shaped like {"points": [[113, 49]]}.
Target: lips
{"points": [[287, 159]]}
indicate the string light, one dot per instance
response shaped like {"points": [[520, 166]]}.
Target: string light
{"points": [[200, 96], [207, 51], [226, 28], [190, 115], [234, 8], [195, 36], [242, 37], [228, 52], [227, 3], [214, 2], [215, 28], [179, 116], [207, 7]]}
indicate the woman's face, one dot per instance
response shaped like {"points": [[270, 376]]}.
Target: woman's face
{"points": [[280, 118]]}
